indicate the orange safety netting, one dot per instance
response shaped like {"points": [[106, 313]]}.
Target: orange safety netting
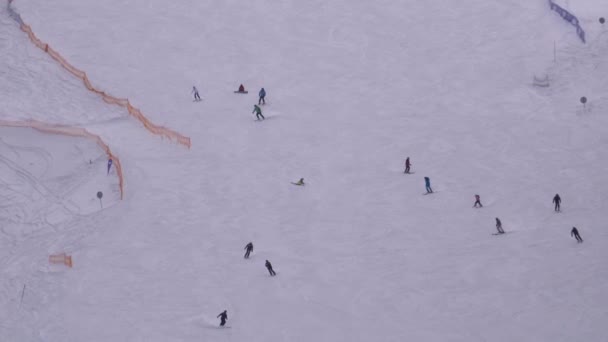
{"points": [[73, 132], [61, 259], [162, 131]]}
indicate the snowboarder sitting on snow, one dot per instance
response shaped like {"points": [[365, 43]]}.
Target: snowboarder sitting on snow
{"points": [[196, 95], [269, 267], [557, 200], [223, 317], [258, 112], [262, 96], [300, 182], [241, 89], [407, 165], [499, 226], [248, 250], [574, 232], [427, 182], [477, 201]]}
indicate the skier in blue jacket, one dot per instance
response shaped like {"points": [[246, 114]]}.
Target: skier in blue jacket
{"points": [[262, 96], [427, 182]]}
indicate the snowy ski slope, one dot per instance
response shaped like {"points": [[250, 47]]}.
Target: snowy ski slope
{"points": [[353, 89]]}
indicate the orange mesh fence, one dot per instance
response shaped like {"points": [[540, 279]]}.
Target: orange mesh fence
{"points": [[61, 259], [73, 132], [158, 130]]}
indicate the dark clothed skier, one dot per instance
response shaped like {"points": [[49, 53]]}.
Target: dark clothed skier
{"points": [[262, 95], [427, 182], [197, 97], [223, 317], [269, 267], [574, 232], [258, 112], [407, 165], [241, 89], [248, 250], [499, 226], [557, 200], [477, 202]]}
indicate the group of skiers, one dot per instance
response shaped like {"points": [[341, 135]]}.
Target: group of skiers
{"points": [[556, 200], [223, 316], [248, 249], [256, 107]]}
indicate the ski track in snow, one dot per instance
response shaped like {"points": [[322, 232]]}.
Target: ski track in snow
{"points": [[355, 88]]}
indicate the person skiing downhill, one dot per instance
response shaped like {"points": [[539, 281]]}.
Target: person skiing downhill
{"points": [[248, 250], [557, 200], [427, 182], [223, 317], [407, 165], [258, 112], [197, 97], [499, 226], [574, 232], [262, 95], [300, 182], [477, 201], [269, 267]]}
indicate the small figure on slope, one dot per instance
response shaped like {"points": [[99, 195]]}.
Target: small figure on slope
{"points": [[574, 232], [197, 97], [269, 267], [407, 165], [258, 112], [427, 182], [557, 200], [223, 317], [477, 202], [300, 182], [248, 250], [241, 89], [262, 95], [499, 226]]}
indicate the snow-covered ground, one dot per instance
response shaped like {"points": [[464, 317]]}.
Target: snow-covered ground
{"points": [[353, 89]]}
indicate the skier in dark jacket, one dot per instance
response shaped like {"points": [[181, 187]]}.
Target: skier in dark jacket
{"points": [[194, 91], [407, 165], [262, 96], [574, 232], [477, 202], [499, 226], [248, 250], [427, 182], [269, 267], [557, 200], [258, 112], [223, 317]]}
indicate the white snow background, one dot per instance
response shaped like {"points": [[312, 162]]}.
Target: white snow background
{"points": [[353, 88]]}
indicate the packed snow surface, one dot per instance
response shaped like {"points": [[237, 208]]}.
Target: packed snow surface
{"points": [[354, 87]]}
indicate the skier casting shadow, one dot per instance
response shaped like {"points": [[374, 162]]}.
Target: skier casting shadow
{"points": [[574, 232], [223, 317], [248, 250], [300, 182], [270, 270], [427, 182], [258, 112], [407, 165], [557, 200], [477, 202], [197, 97], [499, 226]]}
